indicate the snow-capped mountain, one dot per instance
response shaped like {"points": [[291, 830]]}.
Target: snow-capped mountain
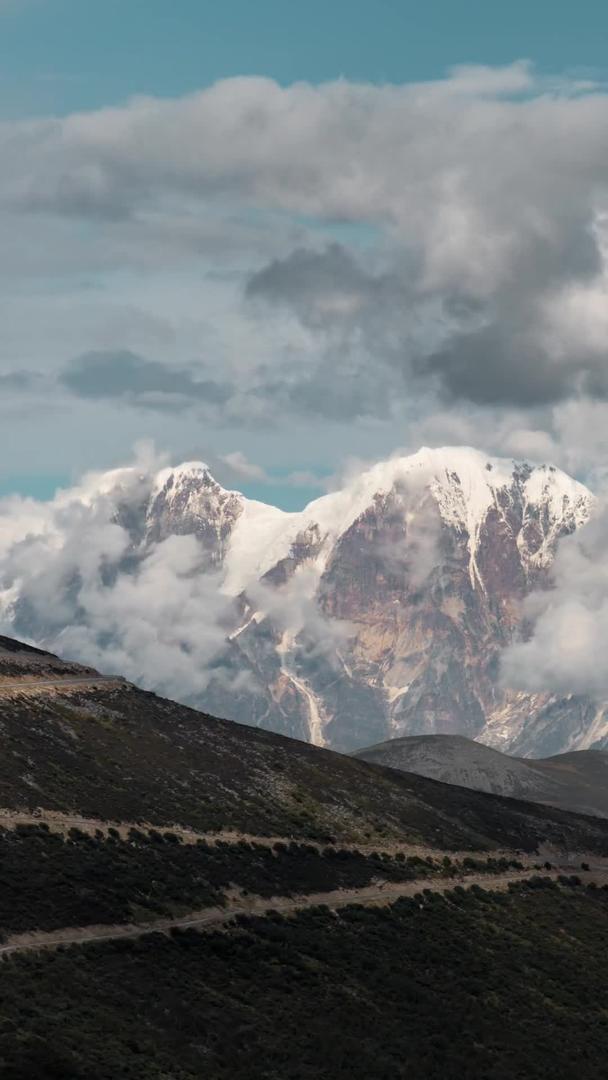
{"points": [[378, 611], [466, 487]]}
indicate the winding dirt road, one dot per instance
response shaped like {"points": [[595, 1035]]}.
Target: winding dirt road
{"points": [[59, 821], [214, 918]]}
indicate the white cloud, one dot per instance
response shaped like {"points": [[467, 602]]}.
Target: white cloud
{"points": [[80, 575], [566, 650], [162, 626], [479, 272], [73, 576], [248, 470], [295, 614]]}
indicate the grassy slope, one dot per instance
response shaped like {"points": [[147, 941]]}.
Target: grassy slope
{"points": [[493, 987]]}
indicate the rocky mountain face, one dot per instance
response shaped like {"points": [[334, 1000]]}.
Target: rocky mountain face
{"points": [[576, 781], [379, 611], [414, 579]]}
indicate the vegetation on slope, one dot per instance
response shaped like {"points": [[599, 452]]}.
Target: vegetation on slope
{"points": [[48, 882], [468, 986], [122, 754]]}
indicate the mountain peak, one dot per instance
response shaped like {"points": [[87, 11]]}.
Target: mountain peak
{"points": [[188, 472], [465, 483]]}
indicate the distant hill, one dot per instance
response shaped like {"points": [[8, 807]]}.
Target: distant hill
{"points": [[577, 781]]}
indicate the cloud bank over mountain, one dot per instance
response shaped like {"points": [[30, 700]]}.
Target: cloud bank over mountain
{"points": [[98, 572]]}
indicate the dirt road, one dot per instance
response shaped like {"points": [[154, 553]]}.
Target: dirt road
{"points": [[211, 918], [58, 821], [24, 684], [214, 918]]}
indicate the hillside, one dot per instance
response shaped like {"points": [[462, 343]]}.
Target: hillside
{"points": [[134, 829], [106, 750], [576, 781], [476, 985], [380, 610]]}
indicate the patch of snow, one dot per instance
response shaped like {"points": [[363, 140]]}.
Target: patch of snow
{"points": [[394, 692], [564, 502], [562, 495], [256, 617], [261, 537], [315, 722]]}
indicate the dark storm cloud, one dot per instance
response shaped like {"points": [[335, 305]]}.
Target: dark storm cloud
{"points": [[490, 367], [491, 350], [123, 375], [338, 388], [325, 286], [19, 381], [354, 310]]}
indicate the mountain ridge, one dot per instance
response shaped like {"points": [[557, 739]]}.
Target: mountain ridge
{"points": [[275, 530]]}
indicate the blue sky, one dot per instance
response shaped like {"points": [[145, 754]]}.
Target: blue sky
{"points": [[285, 278], [61, 55]]}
